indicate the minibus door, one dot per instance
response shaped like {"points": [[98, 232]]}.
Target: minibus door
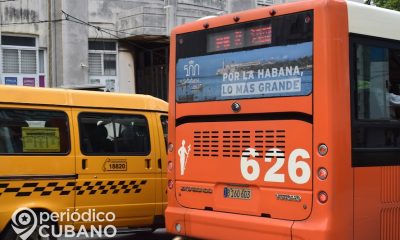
{"points": [[37, 160], [161, 194], [116, 166]]}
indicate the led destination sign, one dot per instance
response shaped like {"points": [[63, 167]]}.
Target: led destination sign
{"points": [[239, 38]]}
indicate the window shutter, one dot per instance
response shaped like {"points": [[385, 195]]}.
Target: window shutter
{"points": [[28, 61], [10, 61], [95, 65]]}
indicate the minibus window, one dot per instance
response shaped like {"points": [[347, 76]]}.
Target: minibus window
{"points": [[33, 132], [164, 124], [114, 134]]}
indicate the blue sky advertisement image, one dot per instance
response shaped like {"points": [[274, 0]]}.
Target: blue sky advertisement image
{"points": [[278, 71]]}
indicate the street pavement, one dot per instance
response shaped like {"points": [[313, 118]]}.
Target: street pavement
{"points": [[159, 234]]}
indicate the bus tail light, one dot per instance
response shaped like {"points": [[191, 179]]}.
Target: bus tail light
{"points": [[170, 147], [170, 166], [322, 173], [322, 197], [170, 184], [322, 149]]}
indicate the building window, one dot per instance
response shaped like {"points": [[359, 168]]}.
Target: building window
{"points": [[19, 54], [18, 41], [20, 60], [103, 63], [103, 45]]}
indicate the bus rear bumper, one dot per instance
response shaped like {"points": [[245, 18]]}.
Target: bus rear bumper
{"points": [[217, 225]]}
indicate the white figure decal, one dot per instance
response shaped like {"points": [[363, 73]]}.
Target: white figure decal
{"points": [[183, 156]]}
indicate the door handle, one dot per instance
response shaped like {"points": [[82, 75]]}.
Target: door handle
{"points": [[84, 163], [159, 163], [147, 162]]}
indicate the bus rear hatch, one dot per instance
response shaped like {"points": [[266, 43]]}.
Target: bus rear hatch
{"points": [[260, 168]]}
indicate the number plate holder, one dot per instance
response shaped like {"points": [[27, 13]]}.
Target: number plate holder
{"points": [[237, 193]]}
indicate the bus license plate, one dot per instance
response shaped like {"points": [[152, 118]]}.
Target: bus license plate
{"points": [[237, 193]]}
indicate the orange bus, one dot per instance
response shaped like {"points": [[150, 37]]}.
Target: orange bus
{"points": [[285, 124]]}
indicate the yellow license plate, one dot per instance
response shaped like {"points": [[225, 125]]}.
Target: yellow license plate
{"points": [[237, 193]]}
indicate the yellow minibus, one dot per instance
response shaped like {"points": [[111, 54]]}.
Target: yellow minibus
{"points": [[67, 153]]}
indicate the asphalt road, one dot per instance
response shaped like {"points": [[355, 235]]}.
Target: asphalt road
{"points": [[159, 234]]}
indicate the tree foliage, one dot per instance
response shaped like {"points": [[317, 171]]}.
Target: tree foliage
{"points": [[390, 4]]}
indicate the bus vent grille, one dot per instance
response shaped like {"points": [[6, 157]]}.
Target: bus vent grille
{"points": [[390, 184], [231, 143], [390, 222]]}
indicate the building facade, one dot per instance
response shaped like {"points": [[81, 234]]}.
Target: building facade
{"points": [[121, 45]]}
